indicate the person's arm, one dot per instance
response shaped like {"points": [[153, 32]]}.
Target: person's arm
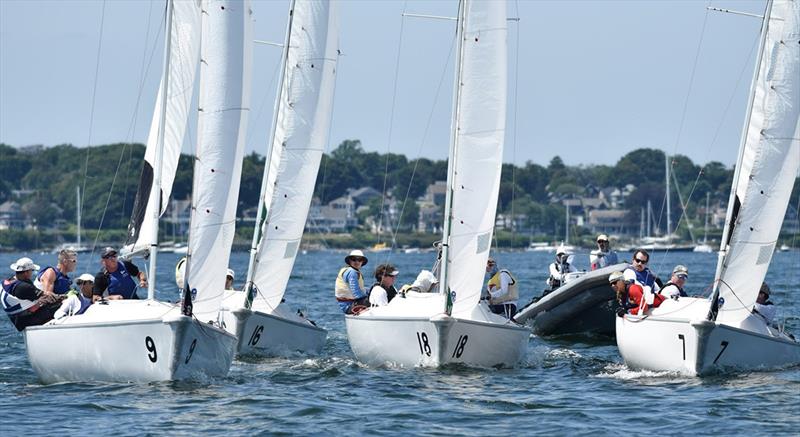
{"points": [[99, 287], [68, 307], [351, 276], [505, 280], [48, 280], [134, 271]]}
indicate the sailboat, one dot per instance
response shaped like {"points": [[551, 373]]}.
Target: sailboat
{"points": [[150, 340], [697, 336], [453, 325], [77, 246], [256, 315], [704, 247]]}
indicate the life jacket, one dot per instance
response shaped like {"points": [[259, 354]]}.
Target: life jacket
{"points": [[342, 289], [513, 292], [61, 285], [13, 305], [120, 282], [681, 293]]}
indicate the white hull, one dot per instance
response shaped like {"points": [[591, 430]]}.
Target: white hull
{"points": [[693, 346], [128, 341], [383, 336], [267, 333]]}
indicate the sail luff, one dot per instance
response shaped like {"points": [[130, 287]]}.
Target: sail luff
{"points": [[767, 165], [479, 150], [224, 108], [300, 136], [261, 214]]}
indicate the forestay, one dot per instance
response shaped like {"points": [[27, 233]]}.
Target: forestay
{"points": [[768, 165], [184, 55], [479, 133], [301, 133], [224, 106]]}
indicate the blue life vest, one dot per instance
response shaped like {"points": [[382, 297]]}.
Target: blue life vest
{"points": [[120, 282], [62, 283], [11, 304]]}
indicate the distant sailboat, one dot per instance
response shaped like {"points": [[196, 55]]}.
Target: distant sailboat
{"points": [[697, 336], [149, 340], [454, 325], [263, 324], [77, 246], [704, 247]]}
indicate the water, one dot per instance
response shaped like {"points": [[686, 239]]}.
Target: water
{"points": [[564, 385]]}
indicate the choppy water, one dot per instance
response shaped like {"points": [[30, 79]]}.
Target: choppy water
{"points": [[564, 385]]}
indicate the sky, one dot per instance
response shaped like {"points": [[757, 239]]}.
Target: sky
{"points": [[588, 80]]}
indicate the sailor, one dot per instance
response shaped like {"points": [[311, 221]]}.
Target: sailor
{"points": [[559, 268], [631, 296], [674, 288], [116, 277], [229, 279], [78, 301], [426, 282], [603, 256], [54, 279], [349, 288], [382, 292], [764, 306], [502, 289], [643, 275], [23, 303]]}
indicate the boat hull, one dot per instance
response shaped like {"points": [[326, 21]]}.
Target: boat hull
{"points": [[435, 341], [269, 335], [154, 343], [700, 347], [585, 305]]}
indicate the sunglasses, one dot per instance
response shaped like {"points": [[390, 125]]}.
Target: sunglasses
{"points": [[361, 260], [640, 261], [109, 256], [79, 282]]}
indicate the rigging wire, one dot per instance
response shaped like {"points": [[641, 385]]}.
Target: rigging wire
{"points": [[514, 132]]}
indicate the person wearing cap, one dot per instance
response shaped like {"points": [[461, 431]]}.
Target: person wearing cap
{"points": [[560, 268], [631, 295], [674, 288], [502, 289], [55, 279], [78, 302], [116, 277], [349, 289], [644, 276], [229, 279], [383, 291], [24, 304], [763, 306], [603, 256]]}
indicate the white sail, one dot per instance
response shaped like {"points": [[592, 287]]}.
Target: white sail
{"points": [[184, 56], [224, 107], [767, 167], [479, 134], [301, 134]]}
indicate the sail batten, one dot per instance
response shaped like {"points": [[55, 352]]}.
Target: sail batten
{"points": [[222, 124], [301, 134], [768, 165]]}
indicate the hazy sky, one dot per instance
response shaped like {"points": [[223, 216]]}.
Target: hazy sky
{"points": [[589, 80]]}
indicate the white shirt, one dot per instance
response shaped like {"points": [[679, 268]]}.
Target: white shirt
{"points": [[71, 305], [505, 280], [378, 296], [768, 311], [671, 291]]}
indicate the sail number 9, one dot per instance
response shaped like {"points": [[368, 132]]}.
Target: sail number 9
{"points": [[151, 348]]}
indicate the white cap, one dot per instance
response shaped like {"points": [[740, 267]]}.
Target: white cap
{"points": [[561, 250], [602, 237], [230, 273], [86, 277], [24, 264]]}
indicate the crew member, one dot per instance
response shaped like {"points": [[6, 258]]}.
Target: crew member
{"points": [[349, 289]]}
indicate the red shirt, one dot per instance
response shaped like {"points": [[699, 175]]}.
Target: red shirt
{"points": [[635, 295]]}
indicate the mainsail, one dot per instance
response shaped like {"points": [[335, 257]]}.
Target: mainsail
{"points": [[183, 59], [479, 131], [767, 166], [224, 108], [301, 128]]}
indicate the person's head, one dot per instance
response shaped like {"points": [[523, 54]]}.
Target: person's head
{"points": [[24, 268], [386, 274], [602, 242], [491, 266], [561, 254], [67, 260], [763, 293], [679, 275], [85, 283], [108, 258], [356, 259], [640, 260], [618, 282], [229, 277]]}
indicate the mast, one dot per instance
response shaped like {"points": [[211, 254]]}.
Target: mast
{"points": [[669, 209], [451, 163], [566, 228], [733, 208], [78, 214], [705, 226], [262, 215], [155, 192]]}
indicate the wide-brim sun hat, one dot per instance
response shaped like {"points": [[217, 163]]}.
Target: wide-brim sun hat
{"points": [[356, 254], [24, 264]]}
